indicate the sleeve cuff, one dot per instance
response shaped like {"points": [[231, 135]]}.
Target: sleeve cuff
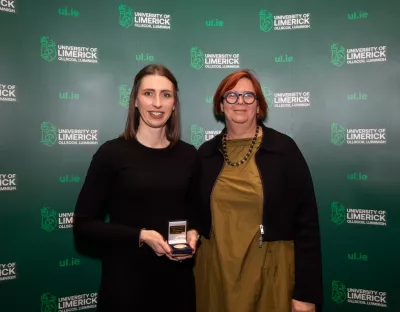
{"points": [[141, 243]]}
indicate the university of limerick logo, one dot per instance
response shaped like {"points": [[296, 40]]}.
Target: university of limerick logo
{"points": [[339, 292], [196, 135], [125, 16], [196, 58], [49, 303], [338, 134], [49, 219], [268, 94], [124, 94], [48, 49], [338, 54], [338, 213], [49, 134], [266, 21]]}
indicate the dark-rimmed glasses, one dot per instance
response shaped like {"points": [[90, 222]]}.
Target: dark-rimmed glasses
{"points": [[231, 97]]}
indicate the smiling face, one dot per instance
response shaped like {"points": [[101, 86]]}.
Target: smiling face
{"points": [[240, 113], [155, 100]]}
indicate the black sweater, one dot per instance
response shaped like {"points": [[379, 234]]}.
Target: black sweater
{"points": [[138, 187]]}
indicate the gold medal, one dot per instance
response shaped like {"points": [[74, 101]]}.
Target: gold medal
{"points": [[180, 246]]}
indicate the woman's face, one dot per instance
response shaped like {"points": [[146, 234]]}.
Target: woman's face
{"points": [[155, 100], [240, 112]]}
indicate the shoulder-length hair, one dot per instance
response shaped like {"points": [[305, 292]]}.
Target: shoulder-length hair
{"points": [[230, 81], [173, 130]]}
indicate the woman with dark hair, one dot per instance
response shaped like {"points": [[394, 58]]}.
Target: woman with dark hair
{"points": [[260, 243], [142, 180]]}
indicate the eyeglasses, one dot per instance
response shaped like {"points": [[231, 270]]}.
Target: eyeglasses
{"points": [[231, 97]]}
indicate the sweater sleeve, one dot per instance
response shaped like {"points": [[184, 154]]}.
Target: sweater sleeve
{"points": [[308, 262], [92, 205], [193, 199]]}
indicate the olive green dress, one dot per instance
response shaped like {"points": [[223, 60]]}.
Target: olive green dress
{"points": [[233, 274]]}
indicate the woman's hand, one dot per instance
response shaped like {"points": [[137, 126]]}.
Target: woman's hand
{"points": [[192, 238], [156, 242], [298, 306]]}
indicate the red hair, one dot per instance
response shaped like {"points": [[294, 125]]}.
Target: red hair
{"points": [[230, 81]]}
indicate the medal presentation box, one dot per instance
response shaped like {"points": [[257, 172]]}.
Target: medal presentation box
{"points": [[177, 238]]}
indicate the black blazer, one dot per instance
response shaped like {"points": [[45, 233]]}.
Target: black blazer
{"points": [[289, 205]]}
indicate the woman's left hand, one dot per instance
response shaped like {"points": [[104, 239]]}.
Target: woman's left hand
{"points": [[192, 237], [298, 306]]}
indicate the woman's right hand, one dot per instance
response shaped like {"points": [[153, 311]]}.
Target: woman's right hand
{"points": [[156, 242]]}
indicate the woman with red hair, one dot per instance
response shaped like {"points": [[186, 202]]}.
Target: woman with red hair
{"points": [[260, 242]]}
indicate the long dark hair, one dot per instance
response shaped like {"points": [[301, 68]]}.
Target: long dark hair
{"points": [[173, 125]]}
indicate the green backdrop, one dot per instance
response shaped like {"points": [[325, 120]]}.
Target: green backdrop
{"points": [[330, 72]]}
